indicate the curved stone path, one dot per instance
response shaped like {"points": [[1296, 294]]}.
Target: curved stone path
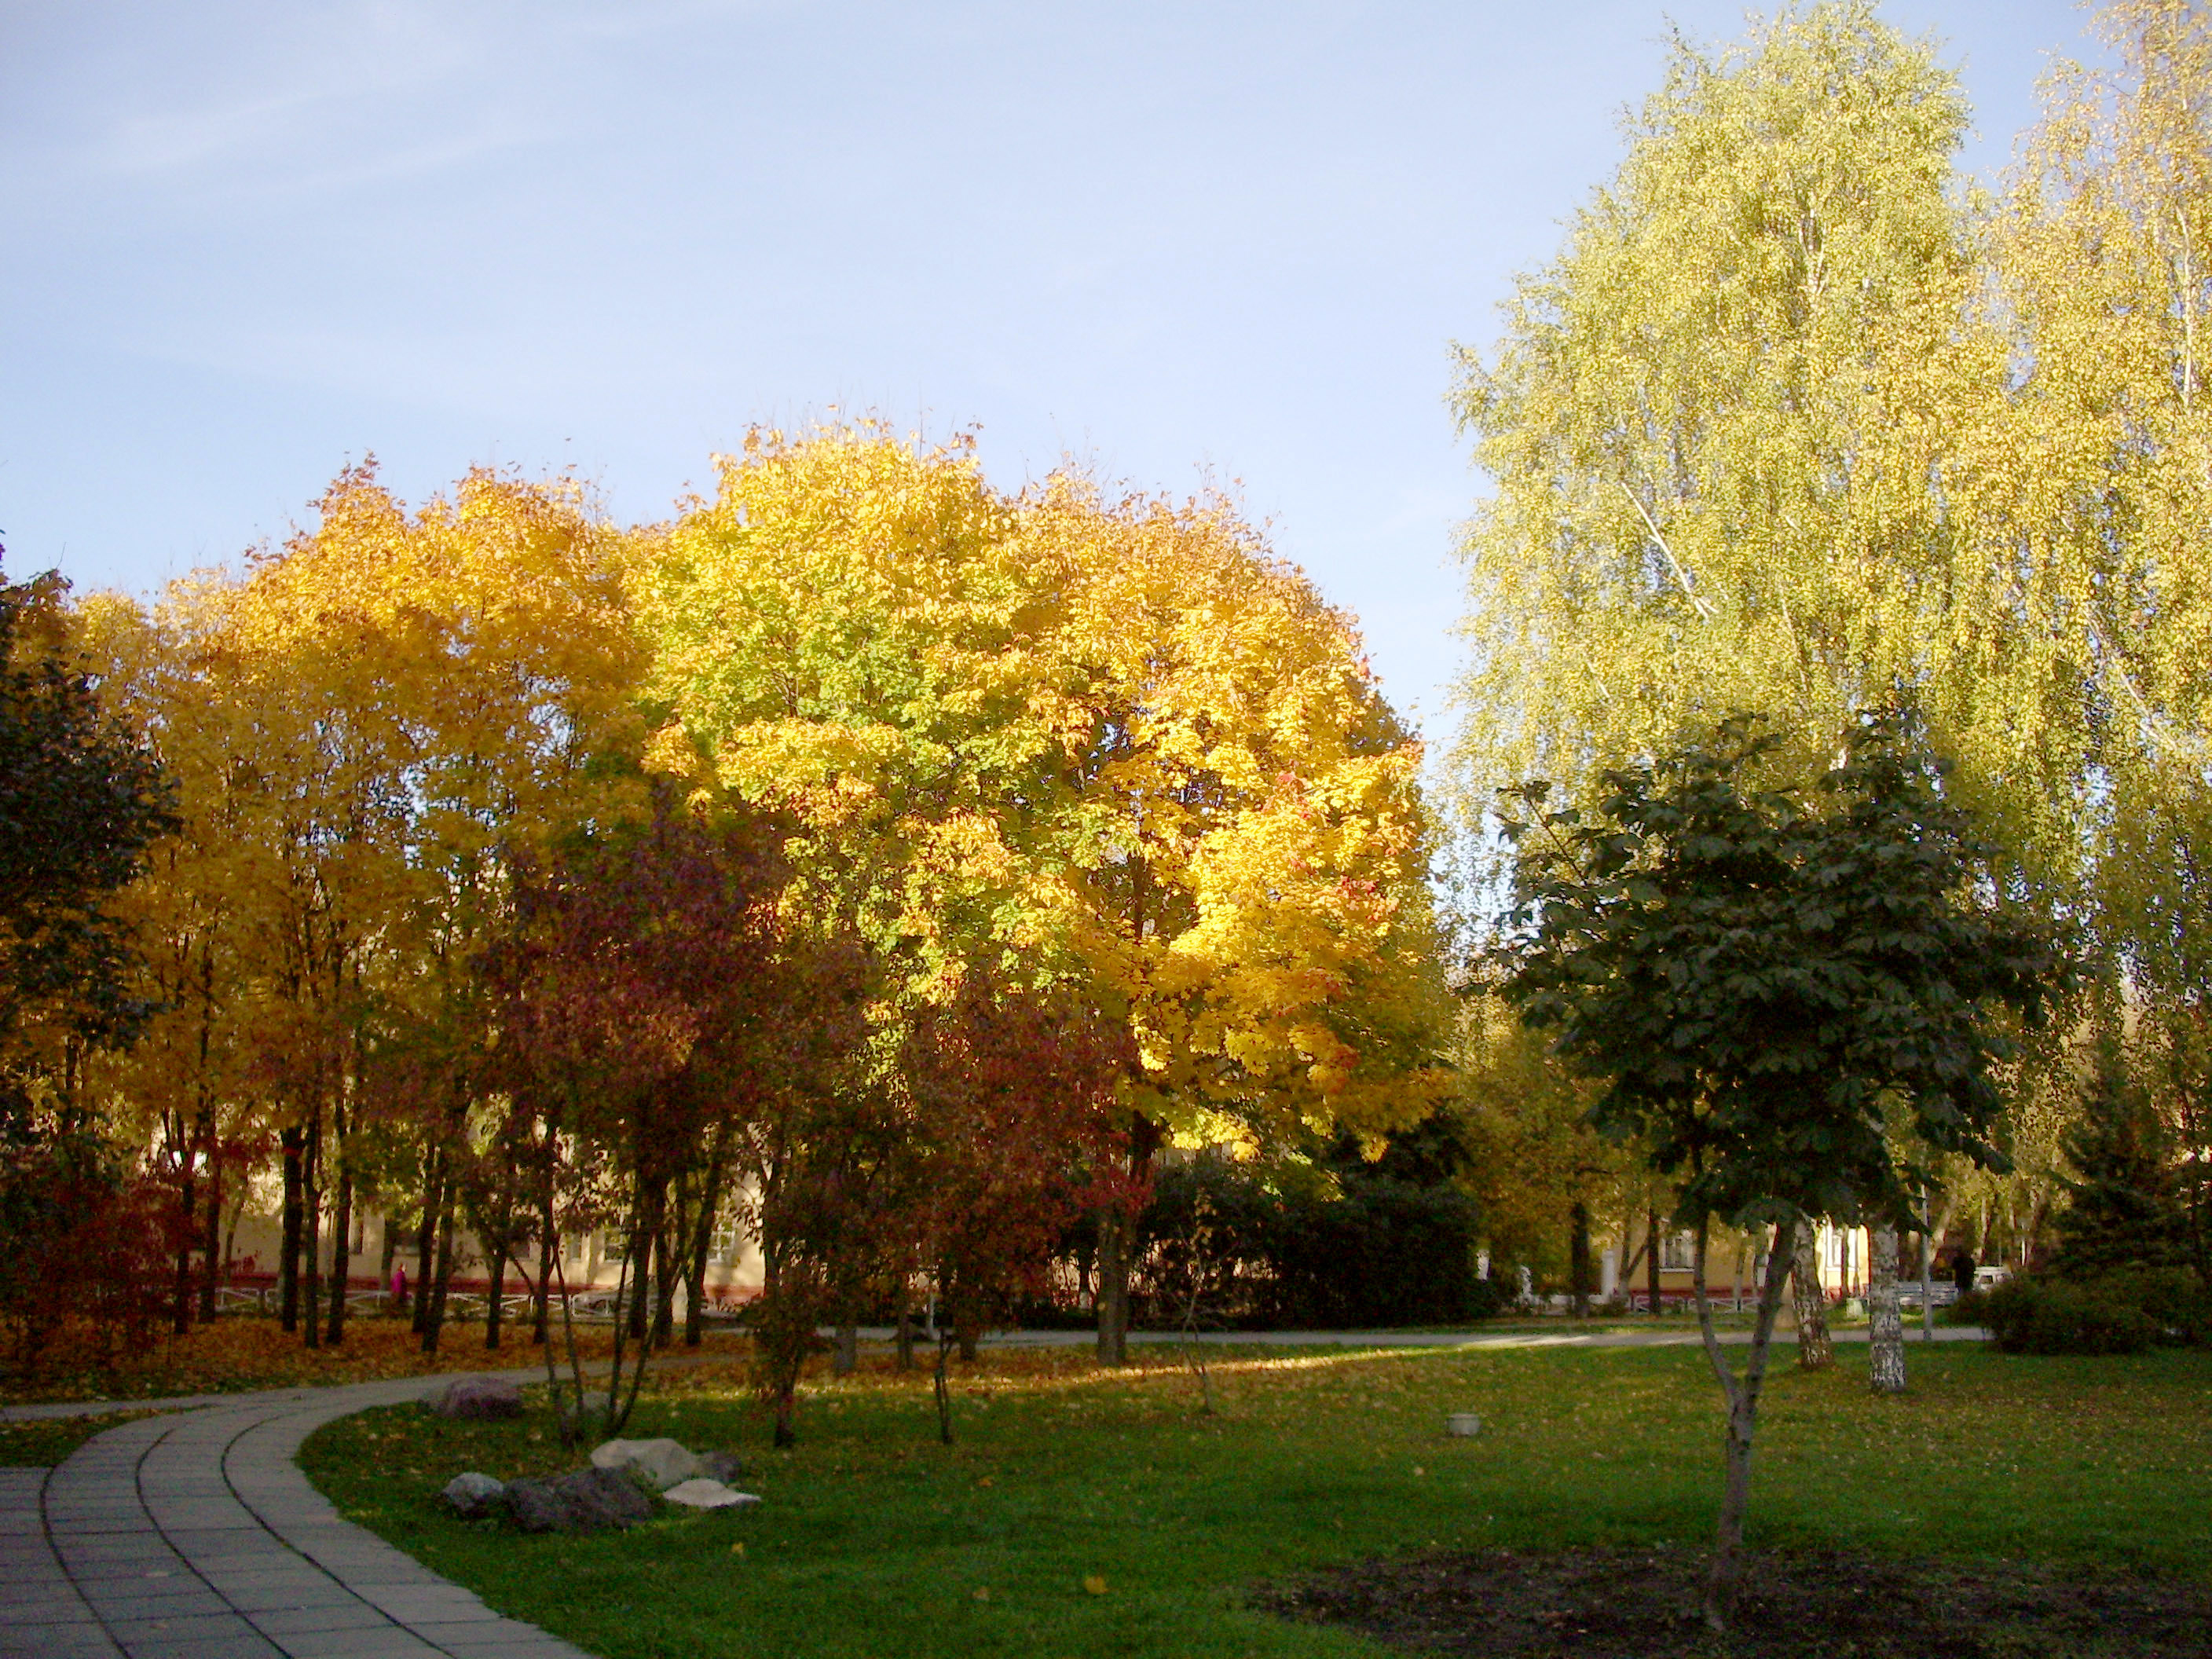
{"points": [[195, 1537]]}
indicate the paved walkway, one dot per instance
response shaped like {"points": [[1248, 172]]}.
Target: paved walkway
{"points": [[196, 1536]]}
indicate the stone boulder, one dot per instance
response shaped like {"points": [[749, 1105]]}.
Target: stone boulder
{"points": [[589, 1500], [478, 1398], [659, 1463], [703, 1494], [474, 1496], [722, 1465]]}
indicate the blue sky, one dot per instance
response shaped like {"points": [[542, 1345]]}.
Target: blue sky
{"points": [[1185, 243]]}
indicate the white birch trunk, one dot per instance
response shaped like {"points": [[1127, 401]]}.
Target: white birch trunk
{"points": [[1886, 1327], [1814, 1351]]}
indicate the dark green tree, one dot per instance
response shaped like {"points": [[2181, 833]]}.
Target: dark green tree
{"points": [[2125, 1208], [1772, 982], [81, 800]]}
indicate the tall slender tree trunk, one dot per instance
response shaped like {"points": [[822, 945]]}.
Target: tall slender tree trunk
{"points": [[903, 1345], [1725, 1577], [1117, 1235], [188, 1209], [426, 1237], [665, 1277], [1578, 1257], [387, 1253], [1885, 1323], [1113, 1295], [701, 1245], [211, 1236], [434, 1291], [291, 1140], [639, 1313], [548, 1247], [492, 1309], [341, 1252], [1651, 1257], [1927, 1273], [311, 1193], [341, 1224], [1814, 1351]]}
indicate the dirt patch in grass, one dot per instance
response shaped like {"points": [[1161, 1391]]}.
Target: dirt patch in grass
{"points": [[1810, 1604]]}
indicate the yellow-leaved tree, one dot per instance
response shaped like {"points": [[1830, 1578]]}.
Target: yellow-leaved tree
{"points": [[1060, 740]]}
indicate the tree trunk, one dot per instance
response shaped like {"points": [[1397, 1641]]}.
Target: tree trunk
{"points": [[941, 1386], [1885, 1324], [310, 1191], [1651, 1258], [1117, 1233], [694, 1284], [433, 1293], [1726, 1576], [904, 1342], [188, 1206], [1578, 1258], [211, 1246], [548, 1245], [664, 1279], [341, 1232], [492, 1309], [287, 1259], [390, 1253], [1927, 1275], [1113, 1297], [1814, 1351], [640, 1253], [426, 1239]]}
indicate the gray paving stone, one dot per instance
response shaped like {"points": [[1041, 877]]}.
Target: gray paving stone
{"points": [[181, 1627], [116, 1547], [445, 1604], [245, 1645], [505, 1640], [351, 1614], [136, 1603], [390, 1643], [59, 1605], [254, 1602], [84, 1641]]}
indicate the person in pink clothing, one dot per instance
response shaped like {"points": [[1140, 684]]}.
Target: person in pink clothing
{"points": [[399, 1284]]}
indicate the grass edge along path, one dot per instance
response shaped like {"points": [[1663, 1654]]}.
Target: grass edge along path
{"points": [[1090, 1513]]}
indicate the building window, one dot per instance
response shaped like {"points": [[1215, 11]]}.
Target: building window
{"points": [[1678, 1252]]}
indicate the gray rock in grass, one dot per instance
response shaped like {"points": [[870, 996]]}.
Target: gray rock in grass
{"points": [[478, 1399], [722, 1465], [473, 1496], [589, 1500], [659, 1463], [702, 1494]]}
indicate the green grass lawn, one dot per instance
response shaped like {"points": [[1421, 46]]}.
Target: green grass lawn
{"points": [[40, 1444], [875, 1539]]}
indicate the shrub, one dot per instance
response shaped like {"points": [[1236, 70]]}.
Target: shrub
{"points": [[2054, 1315], [83, 1243], [1375, 1251]]}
